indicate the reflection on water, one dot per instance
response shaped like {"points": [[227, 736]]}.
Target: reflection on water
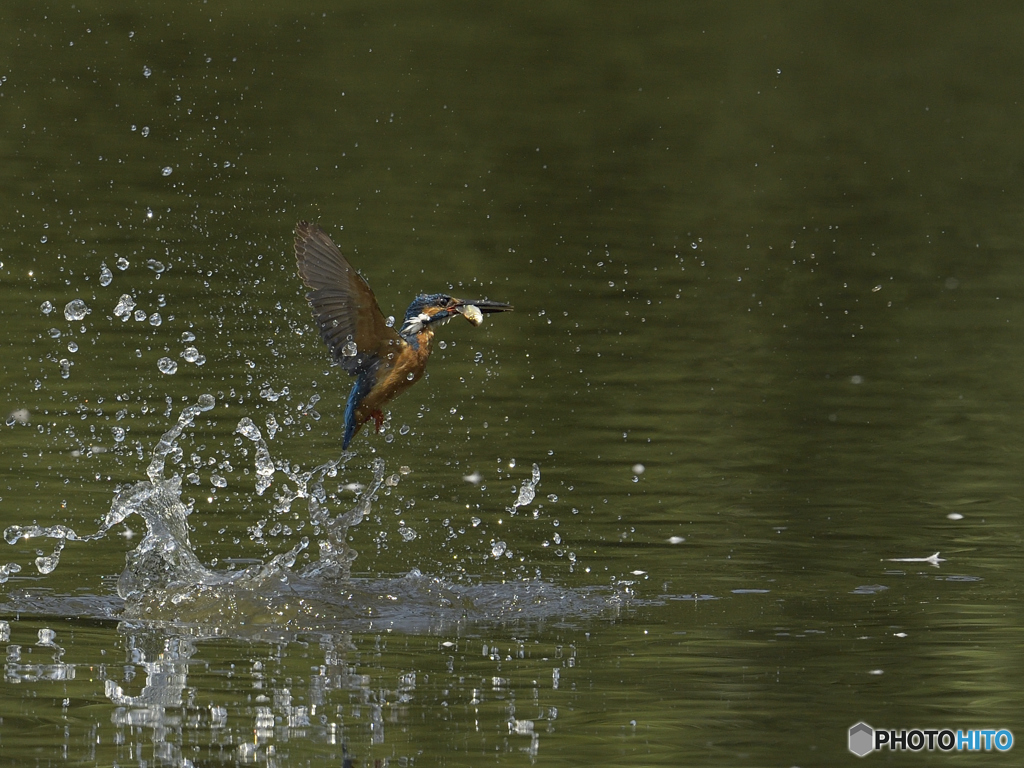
{"points": [[176, 700]]}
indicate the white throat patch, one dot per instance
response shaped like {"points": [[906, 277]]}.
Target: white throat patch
{"points": [[415, 324]]}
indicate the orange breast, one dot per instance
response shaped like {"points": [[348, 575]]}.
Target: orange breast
{"points": [[397, 375]]}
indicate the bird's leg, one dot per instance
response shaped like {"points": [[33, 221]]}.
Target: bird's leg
{"points": [[378, 420]]}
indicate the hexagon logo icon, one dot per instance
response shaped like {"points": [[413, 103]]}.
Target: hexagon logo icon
{"points": [[862, 739]]}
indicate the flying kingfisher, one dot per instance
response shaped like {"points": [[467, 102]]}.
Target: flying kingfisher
{"points": [[384, 361]]}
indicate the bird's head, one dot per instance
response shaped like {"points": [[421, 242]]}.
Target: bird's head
{"points": [[430, 310]]}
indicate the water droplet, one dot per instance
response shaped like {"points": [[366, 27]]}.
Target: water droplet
{"points": [[140, 315], [18, 416], [191, 354], [498, 548], [156, 266], [155, 319], [146, 71], [167, 171], [206, 402], [46, 307], [54, 333], [638, 469], [42, 239], [72, 346], [188, 336], [145, 131], [65, 368], [248, 429], [76, 309], [124, 307], [350, 349], [119, 433], [166, 365], [218, 481], [407, 534], [121, 263]]}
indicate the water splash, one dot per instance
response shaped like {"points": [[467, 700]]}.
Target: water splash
{"points": [[264, 463], [527, 491], [170, 438], [165, 581]]}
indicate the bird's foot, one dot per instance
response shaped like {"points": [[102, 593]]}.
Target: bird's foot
{"points": [[378, 420]]}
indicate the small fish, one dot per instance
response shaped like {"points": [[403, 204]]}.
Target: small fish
{"points": [[472, 313]]}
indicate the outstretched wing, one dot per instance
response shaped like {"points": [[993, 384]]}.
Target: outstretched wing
{"points": [[344, 307]]}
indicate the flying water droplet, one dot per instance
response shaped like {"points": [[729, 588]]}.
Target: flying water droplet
{"points": [[5, 574], [166, 365], [46, 307], [167, 171], [350, 349], [191, 354], [248, 429], [528, 490], [76, 309], [46, 564], [124, 307], [122, 263], [264, 463], [106, 276]]}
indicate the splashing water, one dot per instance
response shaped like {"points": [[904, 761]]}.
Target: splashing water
{"points": [[164, 579], [164, 570], [527, 491]]}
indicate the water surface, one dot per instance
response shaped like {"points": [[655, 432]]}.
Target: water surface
{"points": [[766, 268]]}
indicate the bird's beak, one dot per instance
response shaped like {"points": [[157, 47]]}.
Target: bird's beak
{"points": [[474, 310]]}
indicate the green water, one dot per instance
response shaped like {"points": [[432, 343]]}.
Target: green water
{"points": [[766, 268]]}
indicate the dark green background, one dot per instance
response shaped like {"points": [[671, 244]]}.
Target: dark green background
{"points": [[770, 251]]}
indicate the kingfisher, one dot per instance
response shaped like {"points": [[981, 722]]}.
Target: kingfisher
{"points": [[384, 361]]}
